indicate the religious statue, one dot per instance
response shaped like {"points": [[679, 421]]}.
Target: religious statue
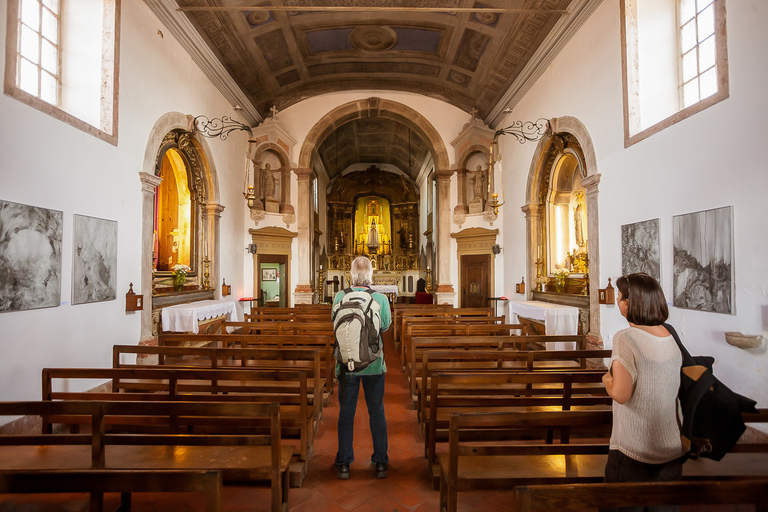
{"points": [[578, 220], [373, 237], [269, 183], [478, 186]]}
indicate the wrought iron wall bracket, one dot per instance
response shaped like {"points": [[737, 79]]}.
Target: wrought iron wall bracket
{"points": [[219, 127]]}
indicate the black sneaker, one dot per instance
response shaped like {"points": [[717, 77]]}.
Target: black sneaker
{"points": [[381, 470], [343, 471]]}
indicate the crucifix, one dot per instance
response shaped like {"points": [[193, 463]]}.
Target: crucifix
{"points": [[274, 112], [473, 113]]}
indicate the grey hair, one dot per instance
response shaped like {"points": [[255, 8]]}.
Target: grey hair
{"points": [[361, 271]]}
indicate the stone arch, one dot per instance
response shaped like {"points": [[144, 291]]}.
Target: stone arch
{"points": [[373, 107], [275, 148], [545, 157], [465, 155], [169, 123]]}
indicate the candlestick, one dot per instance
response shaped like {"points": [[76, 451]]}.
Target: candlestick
{"points": [[206, 274]]}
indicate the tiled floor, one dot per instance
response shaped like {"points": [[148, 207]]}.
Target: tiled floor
{"points": [[406, 489]]}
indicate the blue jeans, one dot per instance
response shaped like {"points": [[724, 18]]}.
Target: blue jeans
{"points": [[373, 387]]}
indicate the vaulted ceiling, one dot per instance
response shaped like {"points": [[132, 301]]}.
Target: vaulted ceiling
{"points": [[478, 55]]}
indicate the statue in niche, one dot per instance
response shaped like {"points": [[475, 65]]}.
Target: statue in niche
{"points": [[373, 237], [578, 220], [403, 241], [269, 183], [478, 185]]}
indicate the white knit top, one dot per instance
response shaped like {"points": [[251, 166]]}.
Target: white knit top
{"points": [[645, 427]]}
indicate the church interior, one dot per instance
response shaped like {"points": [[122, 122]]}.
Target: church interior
{"points": [[517, 155]]}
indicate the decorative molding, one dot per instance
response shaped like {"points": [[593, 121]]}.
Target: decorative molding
{"points": [[186, 34]]}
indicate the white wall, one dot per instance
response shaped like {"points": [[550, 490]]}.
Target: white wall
{"points": [[50, 164], [707, 161]]}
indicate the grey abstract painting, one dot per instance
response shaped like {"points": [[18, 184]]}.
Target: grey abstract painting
{"points": [[30, 257], [703, 260], [640, 248], [94, 272]]}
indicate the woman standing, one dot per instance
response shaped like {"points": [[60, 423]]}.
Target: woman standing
{"points": [[643, 380]]}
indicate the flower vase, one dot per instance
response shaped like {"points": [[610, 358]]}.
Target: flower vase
{"points": [[559, 287], [178, 283]]}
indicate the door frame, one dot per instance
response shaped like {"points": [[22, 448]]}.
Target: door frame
{"points": [[477, 241], [272, 241]]}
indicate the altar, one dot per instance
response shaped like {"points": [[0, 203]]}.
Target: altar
{"points": [[390, 290], [186, 317], [557, 319]]}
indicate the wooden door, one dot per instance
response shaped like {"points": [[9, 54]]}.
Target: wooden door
{"points": [[475, 280]]}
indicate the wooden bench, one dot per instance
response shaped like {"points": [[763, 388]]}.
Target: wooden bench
{"points": [[278, 328], [97, 482], [582, 497], [322, 342], [287, 388], [454, 393], [246, 456], [501, 464], [501, 360], [452, 326], [296, 359], [400, 311]]}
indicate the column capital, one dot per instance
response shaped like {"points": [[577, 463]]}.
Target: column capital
{"points": [[303, 173], [149, 182], [444, 174], [214, 209], [590, 183], [531, 210]]}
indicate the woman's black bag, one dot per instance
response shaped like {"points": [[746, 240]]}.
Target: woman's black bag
{"points": [[712, 422]]}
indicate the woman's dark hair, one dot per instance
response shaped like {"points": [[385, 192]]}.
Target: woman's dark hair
{"points": [[646, 302], [421, 285]]}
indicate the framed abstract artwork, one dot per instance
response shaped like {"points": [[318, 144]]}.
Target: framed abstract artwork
{"points": [[640, 248], [94, 267], [703, 260], [30, 257]]}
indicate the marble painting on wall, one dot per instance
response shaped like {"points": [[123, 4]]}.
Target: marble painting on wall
{"points": [[94, 272], [703, 260], [30, 257], [640, 248]]}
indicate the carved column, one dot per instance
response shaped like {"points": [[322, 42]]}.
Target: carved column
{"points": [[303, 292], [590, 183], [535, 237], [149, 183], [445, 291], [256, 175], [461, 209], [285, 192], [211, 238]]}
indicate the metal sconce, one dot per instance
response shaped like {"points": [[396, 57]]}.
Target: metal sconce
{"points": [[528, 131]]}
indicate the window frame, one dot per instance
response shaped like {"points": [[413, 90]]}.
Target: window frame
{"points": [[110, 89], [629, 59]]}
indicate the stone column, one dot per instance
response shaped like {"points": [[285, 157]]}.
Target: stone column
{"points": [[149, 183], [535, 237], [461, 209], [302, 265], [285, 191], [211, 238], [593, 250], [255, 175], [445, 291]]}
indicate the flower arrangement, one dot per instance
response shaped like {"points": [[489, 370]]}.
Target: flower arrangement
{"points": [[561, 274], [180, 275]]}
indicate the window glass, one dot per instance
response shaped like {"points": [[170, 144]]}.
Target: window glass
{"points": [[28, 77], [48, 87], [29, 44], [708, 84], [690, 68], [687, 9], [50, 26], [30, 13], [691, 93], [49, 57], [707, 54], [706, 22], [688, 36]]}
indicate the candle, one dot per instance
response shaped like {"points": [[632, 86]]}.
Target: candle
{"points": [[539, 252], [321, 267], [205, 248]]}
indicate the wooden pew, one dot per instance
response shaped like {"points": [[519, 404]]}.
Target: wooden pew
{"points": [[455, 326], [287, 388], [503, 360], [322, 342], [246, 456], [452, 393], [500, 464], [419, 344], [399, 311], [280, 328], [583, 497], [295, 359], [125, 481]]}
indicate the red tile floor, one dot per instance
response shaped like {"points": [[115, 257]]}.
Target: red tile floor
{"points": [[406, 489]]}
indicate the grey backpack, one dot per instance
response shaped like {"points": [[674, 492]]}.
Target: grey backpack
{"points": [[356, 326]]}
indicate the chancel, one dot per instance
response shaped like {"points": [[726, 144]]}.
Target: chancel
{"points": [[498, 162]]}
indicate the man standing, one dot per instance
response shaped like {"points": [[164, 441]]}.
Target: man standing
{"points": [[372, 379]]}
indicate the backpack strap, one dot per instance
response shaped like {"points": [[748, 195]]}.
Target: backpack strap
{"points": [[687, 359]]}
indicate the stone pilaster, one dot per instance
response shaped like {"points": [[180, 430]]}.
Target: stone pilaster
{"points": [[285, 190], [461, 209], [445, 291], [535, 237], [149, 184], [302, 265], [590, 183], [254, 163], [212, 239]]}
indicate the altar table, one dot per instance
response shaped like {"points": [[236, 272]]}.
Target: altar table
{"points": [[185, 317], [390, 290], [558, 319]]}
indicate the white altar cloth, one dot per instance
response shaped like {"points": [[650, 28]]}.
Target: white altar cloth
{"points": [[184, 317], [384, 288], [557, 319]]}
